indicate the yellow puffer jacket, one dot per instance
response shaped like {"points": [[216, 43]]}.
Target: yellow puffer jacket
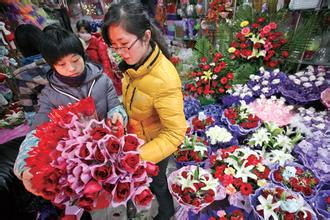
{"points": [[153, 100]]}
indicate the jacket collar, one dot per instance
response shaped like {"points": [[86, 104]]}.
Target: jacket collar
{"points": [[145, 68]]}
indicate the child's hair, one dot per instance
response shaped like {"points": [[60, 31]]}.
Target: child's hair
{"points": [[59, 43], [27, 39], [132, 16], [85, 24]]}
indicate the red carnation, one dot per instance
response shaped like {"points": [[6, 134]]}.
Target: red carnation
{"points": [[285, 54], [246, 189]]}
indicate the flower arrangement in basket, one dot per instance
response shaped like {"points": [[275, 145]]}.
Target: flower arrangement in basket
{"points": [[260, 42], [211, 79], [239, 170], [193, 187], [297, 178], [80, 161], [275, 143], [274, 202], [240, 119], [193, 151]]}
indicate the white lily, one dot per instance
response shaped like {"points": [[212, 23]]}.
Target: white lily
{"points": [[267, 205], [260, 137], [211, 183], [278, 156], [245, 172], [187, 183], [284, 142]]}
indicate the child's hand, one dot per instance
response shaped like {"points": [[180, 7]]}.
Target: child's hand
{"points": [[116, 124], [27, 181]]}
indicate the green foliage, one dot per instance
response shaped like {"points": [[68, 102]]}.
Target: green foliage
{"points": [[243, 72], [203, 48]]}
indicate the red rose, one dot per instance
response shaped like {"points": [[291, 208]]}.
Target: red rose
{"points": [[83, 151], [289, 216], [255, 25], [272, 64], [218, 55], [273, 25], [278, 176], [234, 44], [152, 169], [122, 191], [237, 53], [230, 75], [131, 143], [221, 90], [92, 187], [327, 200], [203, 59], [102, 173], [243, 45], [223, 80], [206, 67], [86, 203], [98, 133], [130, 162], [285, 54], [261, 20], [252, 160], [113, 145], [257, 45], [307, 191], [99, 156], [217, 69], [144, 198]]}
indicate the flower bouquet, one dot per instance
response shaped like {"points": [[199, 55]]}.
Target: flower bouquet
{"points": [[210, 80], [314, 153], [297, 178], [11, 116], [229, 213], [213, 110], [198, 123], [191, 106], [193, 187], [259, 42], [272, 110], [274, 202], [266, 82], [304, 86], [80, 161], [276, 143], [321, 203], [240, 119], [237, 93], [241, 171], [193, 151], [218, 9], [219, 137]]}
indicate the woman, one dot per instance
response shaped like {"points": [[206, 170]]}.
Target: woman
{"points": [[70, 80], [97, 52], [152, 93]]}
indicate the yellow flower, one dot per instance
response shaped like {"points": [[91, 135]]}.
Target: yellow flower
{"points": [[207, 75], [231, 49], [230, 189], [230, 171], [261, 183], [244, 23], [260, 167]]}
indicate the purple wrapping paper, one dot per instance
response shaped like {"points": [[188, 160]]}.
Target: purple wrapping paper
{"points": [[10, 134], [320, 205], [191, 106], [213, 110], [315, 189]]}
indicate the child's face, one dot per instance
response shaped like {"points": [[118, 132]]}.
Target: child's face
{"points": [[71, 65], [127, 45]]}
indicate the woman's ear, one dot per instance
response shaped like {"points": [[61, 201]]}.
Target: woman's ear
{"points": [[147, 35]]}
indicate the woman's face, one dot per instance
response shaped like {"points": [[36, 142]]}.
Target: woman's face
{"points": [[131, 48], [71, 65]]}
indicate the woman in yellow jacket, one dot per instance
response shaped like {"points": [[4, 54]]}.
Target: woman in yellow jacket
{"points": [[151, 90]]}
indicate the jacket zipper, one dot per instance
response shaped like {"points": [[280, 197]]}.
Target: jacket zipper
{"points": [[143, 129], [131, 101]]}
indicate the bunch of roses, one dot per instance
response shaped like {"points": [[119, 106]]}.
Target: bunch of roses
{"points": [[218, 9], [296, 178], [11, 116], [200, 122], [259, 41], [210, 79], [274, 202], [241, 116], [239, 170], [80, 160], [193, 187], [194, 148]]}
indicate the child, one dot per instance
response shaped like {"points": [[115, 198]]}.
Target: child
{"points": [[70, 80]]}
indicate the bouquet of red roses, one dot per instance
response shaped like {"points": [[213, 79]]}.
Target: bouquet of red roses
{"points": [[259, 40], [240, 119], [80, 161], [198, 123], [193, 187], [239, 170], [211, 79], [297, 178]]}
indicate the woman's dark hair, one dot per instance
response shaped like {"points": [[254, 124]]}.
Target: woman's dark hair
{"points": [[27, 39], [85, 24], [132, 16], [59, 43]]}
